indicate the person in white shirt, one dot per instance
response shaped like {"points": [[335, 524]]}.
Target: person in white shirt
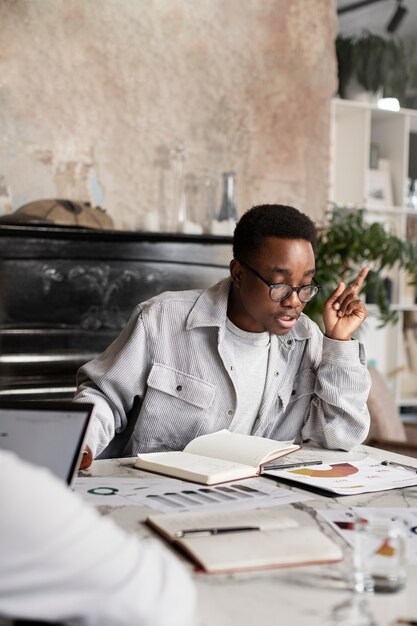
{"points": [[60, 561], [240, 355]]}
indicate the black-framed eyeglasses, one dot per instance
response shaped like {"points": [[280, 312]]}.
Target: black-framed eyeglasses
{"points": [[282, 291]]}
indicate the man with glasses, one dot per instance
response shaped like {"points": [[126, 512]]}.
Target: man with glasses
{"points": [[240, 355]]}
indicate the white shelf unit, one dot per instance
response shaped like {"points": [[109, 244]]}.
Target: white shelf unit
{"points": [[355, 128]]}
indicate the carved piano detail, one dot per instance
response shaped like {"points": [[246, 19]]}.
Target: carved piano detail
{"points": [[67, 292]]}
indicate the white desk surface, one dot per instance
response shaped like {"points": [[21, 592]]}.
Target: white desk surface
{"points": [[298, 596]]}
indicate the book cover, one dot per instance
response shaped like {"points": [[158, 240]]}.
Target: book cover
{"points": [[246, 540]]}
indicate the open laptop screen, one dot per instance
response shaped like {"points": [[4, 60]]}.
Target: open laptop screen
{"points": [[50, 434]]}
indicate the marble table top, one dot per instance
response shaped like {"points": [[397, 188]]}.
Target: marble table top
{"points": [[290, 596]]}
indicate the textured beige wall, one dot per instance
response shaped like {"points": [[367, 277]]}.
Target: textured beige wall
{"points": [[95, 95]]}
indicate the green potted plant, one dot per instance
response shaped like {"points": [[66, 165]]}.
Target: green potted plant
{"points": [[375, 63], [347, 242]]}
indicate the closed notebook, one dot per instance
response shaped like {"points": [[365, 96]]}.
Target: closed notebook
{"points": [[276, 540], [217, 457]]}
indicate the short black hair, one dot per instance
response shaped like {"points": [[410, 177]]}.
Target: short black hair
{"points": [[270, 220]]}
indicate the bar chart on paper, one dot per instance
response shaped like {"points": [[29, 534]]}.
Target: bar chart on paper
{"points": [[175, 495]]}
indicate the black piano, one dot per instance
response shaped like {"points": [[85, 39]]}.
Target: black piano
{"points": [[66, 293]]}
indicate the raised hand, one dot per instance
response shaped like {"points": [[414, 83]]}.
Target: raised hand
{"points": [[343, 311]]}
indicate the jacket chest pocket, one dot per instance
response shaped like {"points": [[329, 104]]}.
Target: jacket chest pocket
{"points": [[293, 408], [181, 386], [303, 386], [174, 411]]}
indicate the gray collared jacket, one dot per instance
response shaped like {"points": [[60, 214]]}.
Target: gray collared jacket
{"points": [[171, 364]]}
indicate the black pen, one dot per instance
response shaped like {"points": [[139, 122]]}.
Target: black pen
{"points": [[195, 532], [401, 465], [270, 466]]}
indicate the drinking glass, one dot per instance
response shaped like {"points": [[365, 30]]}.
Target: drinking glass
{"points": [[379, 556]]}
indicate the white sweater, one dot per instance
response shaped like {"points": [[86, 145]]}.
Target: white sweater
{"points": [[62, 561]]}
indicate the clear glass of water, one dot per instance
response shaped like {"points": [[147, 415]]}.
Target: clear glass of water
{"points": [[379, 556]]}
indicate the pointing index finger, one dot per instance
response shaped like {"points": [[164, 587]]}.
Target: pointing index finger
{"points": [[360, 279]]}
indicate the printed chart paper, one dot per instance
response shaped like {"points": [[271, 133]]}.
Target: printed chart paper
{"points": [[350, 477], [177, 495]]}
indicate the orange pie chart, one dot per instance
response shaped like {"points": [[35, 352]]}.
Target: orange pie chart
{"points": [[337, 471]]}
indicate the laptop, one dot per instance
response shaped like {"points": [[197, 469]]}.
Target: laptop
{"points": [[50, 434]]}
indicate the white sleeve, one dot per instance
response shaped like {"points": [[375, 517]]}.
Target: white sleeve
{"points": [[62, 561]]}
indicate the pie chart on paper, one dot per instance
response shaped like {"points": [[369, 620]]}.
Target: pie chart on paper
{"points": [[340, 470]]}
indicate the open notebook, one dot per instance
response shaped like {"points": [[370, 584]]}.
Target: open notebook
{"points": [[50, 434], [217, 457]]}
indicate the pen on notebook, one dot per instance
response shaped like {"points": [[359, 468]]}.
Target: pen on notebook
{"points": [[269, 466], [394, 464], [406, 622], [213, 531]]}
